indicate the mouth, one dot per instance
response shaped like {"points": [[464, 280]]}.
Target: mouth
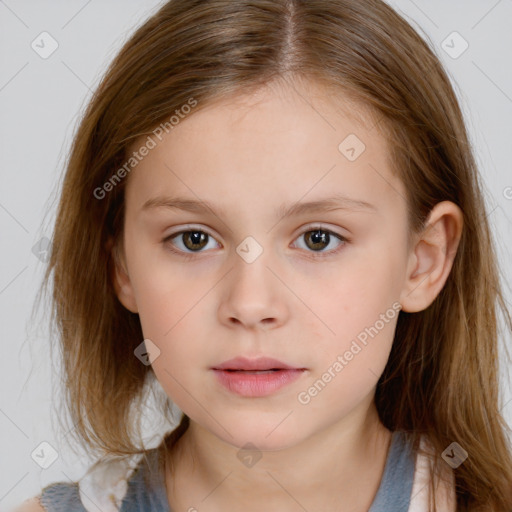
{"points": [[257, 377]]}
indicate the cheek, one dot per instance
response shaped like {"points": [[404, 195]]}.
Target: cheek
{"points": [[357, 295], [164, 295], [167, 315], [177, 365], [184, 352], [359, 310], [350, 362]]}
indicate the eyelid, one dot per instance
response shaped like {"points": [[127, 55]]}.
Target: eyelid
{"points": [[301, 230], [319, 225], [189, 227]]}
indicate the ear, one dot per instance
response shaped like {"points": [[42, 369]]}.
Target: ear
{"points": [[432, 257], [120, 278]]}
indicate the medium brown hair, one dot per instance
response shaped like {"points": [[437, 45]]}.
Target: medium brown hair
{"points": [[441, 380]]}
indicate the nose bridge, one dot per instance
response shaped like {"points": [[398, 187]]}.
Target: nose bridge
{"points": [[251, 279], [253, 293]]}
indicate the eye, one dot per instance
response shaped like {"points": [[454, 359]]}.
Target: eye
{"points": [[319, 238], [192, 241]]}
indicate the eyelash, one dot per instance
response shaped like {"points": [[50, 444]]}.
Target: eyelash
{"points": [[194, 255]]}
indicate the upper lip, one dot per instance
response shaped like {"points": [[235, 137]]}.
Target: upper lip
{"points": [[260, 363]]}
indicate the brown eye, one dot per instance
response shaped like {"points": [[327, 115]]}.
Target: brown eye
{"points": [[188, 242], [317, 241], [194, 240]]}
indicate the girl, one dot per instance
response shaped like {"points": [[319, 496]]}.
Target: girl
{"points": [[272, 209]]}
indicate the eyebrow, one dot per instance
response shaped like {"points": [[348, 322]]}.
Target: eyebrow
{"points": [[336, 202]]}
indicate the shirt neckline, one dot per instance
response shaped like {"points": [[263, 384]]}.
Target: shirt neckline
{"points": [[394, 492]]}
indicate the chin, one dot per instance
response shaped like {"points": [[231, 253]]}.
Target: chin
{"points": [[266, 434]]}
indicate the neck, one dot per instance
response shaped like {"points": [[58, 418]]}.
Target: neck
{"points": [[338, 468]]}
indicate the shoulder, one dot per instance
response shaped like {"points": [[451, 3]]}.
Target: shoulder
{"points": [[445, 490], [55, 497], [104, 485], [30, 505]]}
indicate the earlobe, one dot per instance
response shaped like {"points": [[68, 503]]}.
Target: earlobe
{"points": [[432, 257], [121, 280]]}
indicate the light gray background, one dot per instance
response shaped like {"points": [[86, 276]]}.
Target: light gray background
{"points": [[40, 104]]}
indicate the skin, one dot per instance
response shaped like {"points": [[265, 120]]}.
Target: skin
{"points": [[248, 156]]}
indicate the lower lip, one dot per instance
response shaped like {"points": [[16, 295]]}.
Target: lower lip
{"points": [[256, 384]]}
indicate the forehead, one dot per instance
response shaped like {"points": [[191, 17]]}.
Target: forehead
{"points": [[284, 141]]}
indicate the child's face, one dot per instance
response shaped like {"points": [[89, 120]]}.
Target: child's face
{"points": [[249, 161]]}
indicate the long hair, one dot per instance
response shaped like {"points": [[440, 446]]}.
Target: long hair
{"points": [[441, 380]]}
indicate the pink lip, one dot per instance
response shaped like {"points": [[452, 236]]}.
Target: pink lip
{"points": [[260, 363], [238, 375]]}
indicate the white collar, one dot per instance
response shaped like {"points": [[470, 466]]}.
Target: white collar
{"points": [[445, 491]]}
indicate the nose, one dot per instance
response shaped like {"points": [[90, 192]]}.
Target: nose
{"points": [[253, 296]]}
